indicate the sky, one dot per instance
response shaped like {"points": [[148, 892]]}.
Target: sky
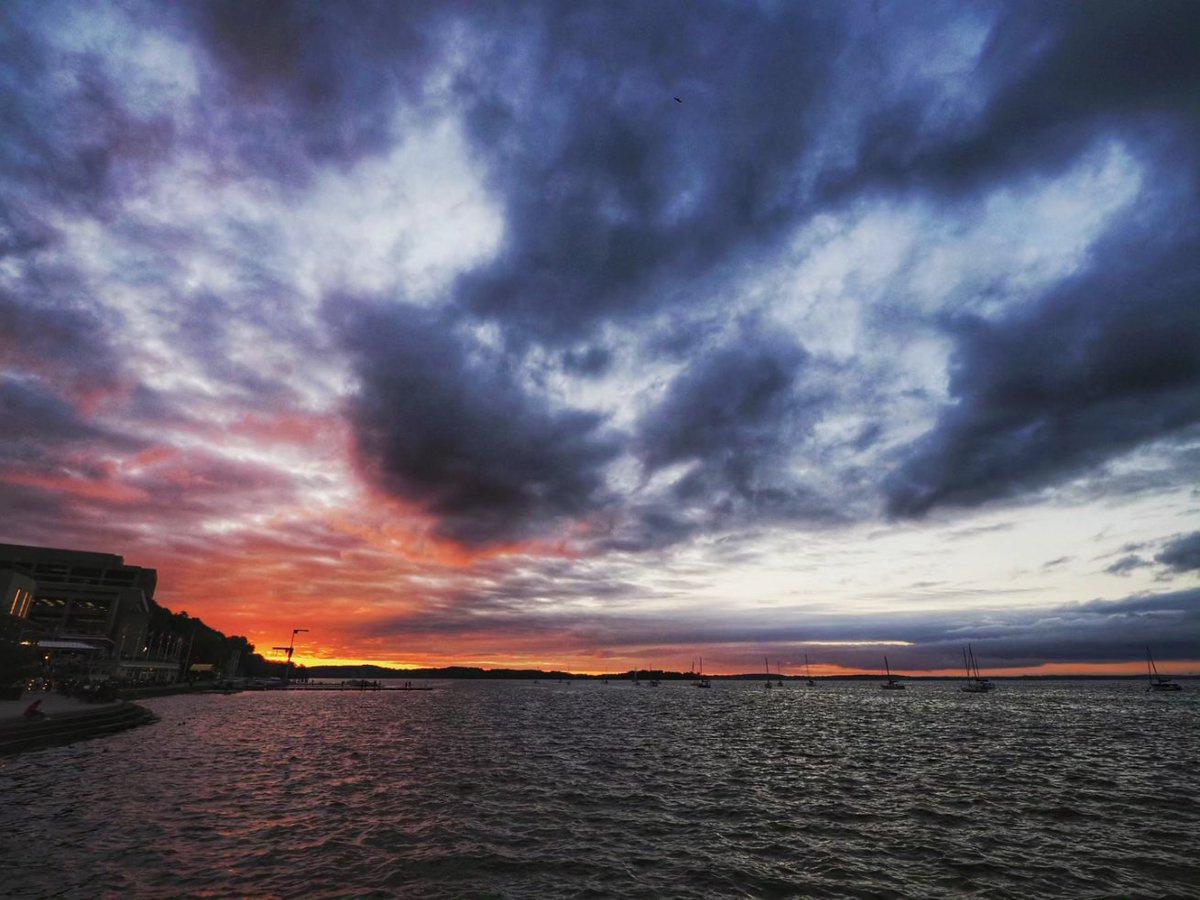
{"points": [[603, 335]]}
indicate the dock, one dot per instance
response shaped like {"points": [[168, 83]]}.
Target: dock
{"points": [[356, 686]]}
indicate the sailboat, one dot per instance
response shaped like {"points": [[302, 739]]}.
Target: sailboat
{"points": [[767, 663], [780, 668], [808, 672], [976, 683], [891, 684], [646, 678], [1158, 682], [702, 681]]}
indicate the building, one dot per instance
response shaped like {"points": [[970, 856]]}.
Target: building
{"points": [[16, 599], [86, 612]]}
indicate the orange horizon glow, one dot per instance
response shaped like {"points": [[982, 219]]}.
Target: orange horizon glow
{"points": [[1176, 669]]}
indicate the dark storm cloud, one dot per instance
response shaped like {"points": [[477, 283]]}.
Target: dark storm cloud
{"points": [[1182, 554], [1060, 76], [73, 142], [618, 201], [651, 526], [543, 606], [444, 421], [612, 189], [1098, 631], [736, 415], [314, 83], [616, 197], [1187, 602], [1105, 363], [619, 206], [593, 360], [725, 409], [1100, 365]]}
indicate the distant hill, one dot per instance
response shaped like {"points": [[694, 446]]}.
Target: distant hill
{"points": [[375, 672], [368, 671]]}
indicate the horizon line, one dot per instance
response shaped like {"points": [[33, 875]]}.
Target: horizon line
{"points": [[1130, 670]]}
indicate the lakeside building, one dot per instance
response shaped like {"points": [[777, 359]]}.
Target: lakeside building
{"points": [[16, 599], [87, 613]]}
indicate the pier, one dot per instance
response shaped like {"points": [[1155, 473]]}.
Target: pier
{"points": [[356, 686]]}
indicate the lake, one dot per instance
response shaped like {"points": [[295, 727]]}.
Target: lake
{"points": [[584, 789]]}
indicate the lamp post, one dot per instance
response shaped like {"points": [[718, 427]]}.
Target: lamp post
{"points": [[287, 667], [191, 643]]}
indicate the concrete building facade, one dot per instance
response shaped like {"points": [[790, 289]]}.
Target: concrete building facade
{"points": [[87, 608], [16, 600]]}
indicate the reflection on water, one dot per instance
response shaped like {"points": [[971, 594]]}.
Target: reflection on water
{"points": [[516, 789]]}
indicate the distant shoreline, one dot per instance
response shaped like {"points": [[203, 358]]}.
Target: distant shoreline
{"points": [[317, 673]]}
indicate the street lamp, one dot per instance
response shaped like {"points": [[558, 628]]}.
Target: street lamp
{"points": [[287, 669]]}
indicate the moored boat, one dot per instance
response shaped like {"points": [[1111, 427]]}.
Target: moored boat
{"points": [[1158, 682], [976, 683], [891, 684]]}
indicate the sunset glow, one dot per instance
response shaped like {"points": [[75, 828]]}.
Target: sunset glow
{"points": [[598, 341]]}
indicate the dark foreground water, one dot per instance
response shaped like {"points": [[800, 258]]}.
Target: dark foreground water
{"points": [[516, 789]]}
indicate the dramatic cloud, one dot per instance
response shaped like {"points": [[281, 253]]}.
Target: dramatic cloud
{"points": [[314, 83], [1103, 365], [1126, 564], [617, 196], [731, 421], [576, 332], [446, 423], [1181, 554], [1058, 78]]}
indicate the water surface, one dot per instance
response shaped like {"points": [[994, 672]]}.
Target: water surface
{"points": [[517, 789]]}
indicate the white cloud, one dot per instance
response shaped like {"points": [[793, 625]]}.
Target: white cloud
{"points": [[405, 223]]}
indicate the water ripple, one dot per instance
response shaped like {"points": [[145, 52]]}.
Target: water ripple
{"points": [[490, 789]]}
